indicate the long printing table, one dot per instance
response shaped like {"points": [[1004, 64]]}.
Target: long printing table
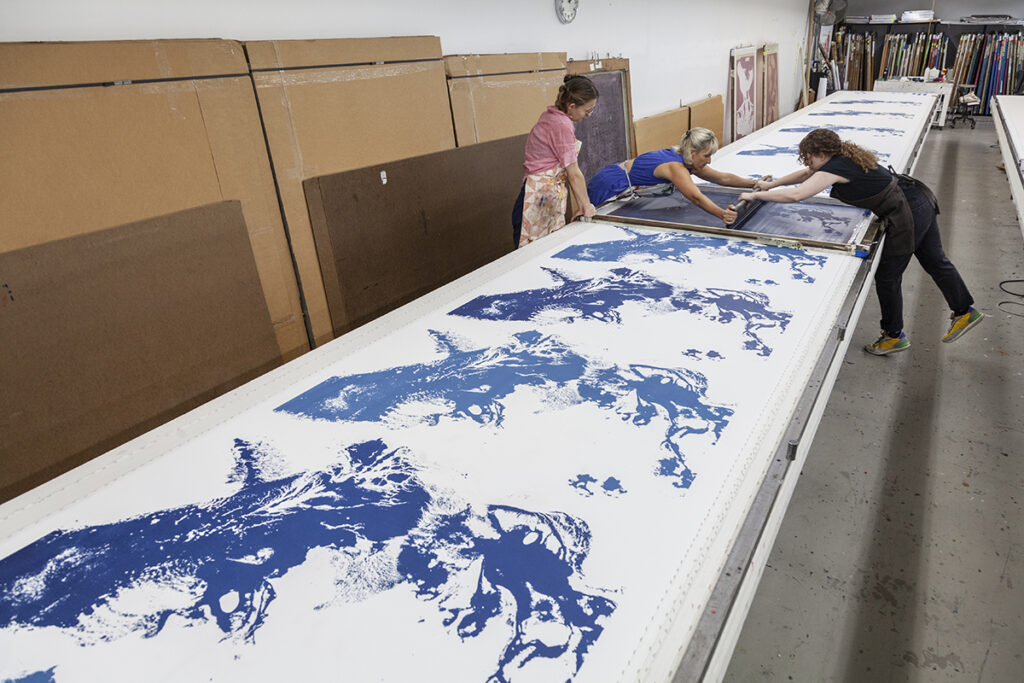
{"points": [[1008, 114], [568, 464]]}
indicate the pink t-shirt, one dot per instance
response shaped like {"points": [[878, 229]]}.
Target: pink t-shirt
{"points": [[551, 143]]}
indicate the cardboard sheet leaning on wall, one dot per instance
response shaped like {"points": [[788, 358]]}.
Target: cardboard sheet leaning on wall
{"points": [[498, 96], [335, 105], [389, 233], [709, 113], [661, 130], [108, 334], [107, 133]]}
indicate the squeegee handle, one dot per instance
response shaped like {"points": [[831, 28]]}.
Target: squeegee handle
{"points": [[742, 205]]}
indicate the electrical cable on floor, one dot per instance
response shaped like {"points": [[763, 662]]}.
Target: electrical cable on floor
{"points": [[1001, 304]]}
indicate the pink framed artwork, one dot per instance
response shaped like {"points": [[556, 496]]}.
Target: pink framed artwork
{"points": [[744, 91]]}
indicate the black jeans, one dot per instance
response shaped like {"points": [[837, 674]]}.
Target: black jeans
{"points": [[928, 250]]}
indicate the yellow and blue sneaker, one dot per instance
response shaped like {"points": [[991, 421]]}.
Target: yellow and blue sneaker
{"points": [[887, 344], [959, 324]]}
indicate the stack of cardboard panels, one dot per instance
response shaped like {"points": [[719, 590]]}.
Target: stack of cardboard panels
{"points": [[661, 130], [102, 135], [501, 95], [334, 105]]}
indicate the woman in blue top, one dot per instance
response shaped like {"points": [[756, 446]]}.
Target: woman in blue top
{"points": [[674, 165]]}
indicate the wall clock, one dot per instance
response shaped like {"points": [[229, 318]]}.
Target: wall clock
{"points": [[566, 10]]}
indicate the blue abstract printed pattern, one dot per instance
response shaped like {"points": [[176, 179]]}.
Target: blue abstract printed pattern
{"points": [[471, 384], [222, 558], [841, 128], [662, 246], [601, 298], [490, 576]]}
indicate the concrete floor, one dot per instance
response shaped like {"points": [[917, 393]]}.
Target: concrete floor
{"points": [[901, 557]]}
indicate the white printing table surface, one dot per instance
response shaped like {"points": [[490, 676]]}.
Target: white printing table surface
{"points": [[1009, 119], [534, 473]]}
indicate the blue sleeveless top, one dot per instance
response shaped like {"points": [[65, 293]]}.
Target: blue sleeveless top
{"points": [[611, 180]]}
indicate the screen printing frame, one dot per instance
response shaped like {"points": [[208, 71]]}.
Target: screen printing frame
{"points": [[709, 650], [864, 237], [1012, 146], [860, 246]]}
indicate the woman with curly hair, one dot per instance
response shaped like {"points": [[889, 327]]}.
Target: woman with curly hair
{"points": [[906, 205], [675, 165], [550, 164]]}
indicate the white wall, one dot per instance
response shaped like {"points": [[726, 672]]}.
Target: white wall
{"points": [[678, 49]]}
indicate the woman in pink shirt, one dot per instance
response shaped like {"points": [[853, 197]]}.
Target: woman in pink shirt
{"points": [[550, 164]]}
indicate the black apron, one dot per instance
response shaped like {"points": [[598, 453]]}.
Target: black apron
{"points": [[891, 206]]}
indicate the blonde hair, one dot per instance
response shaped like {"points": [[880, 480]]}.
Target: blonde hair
{"points": [[825, 142], [697, 140]]}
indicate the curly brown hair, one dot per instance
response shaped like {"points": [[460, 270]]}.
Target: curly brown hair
{"points": [[825, 142], [576, 90]]}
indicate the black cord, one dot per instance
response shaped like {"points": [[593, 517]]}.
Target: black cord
{"points": [[1003, 304]]}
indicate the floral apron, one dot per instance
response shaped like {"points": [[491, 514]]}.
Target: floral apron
{"points": [[544, 203]]}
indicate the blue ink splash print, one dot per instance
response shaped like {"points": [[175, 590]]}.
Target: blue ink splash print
{"points": [[465, 383], [230, 546], [839, 128], [858, 100], [613, 487], [534, 559], [664, 246], [524, 567], [598, 299], [770, 151], [610, 487], [641, 393], [590, 298], [697, 354], [46, 676], [856, 112], [582, 483], [726, 305], [471, 384]]}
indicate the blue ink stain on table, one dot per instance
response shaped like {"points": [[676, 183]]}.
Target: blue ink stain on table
{"points": [[374, 503]]}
